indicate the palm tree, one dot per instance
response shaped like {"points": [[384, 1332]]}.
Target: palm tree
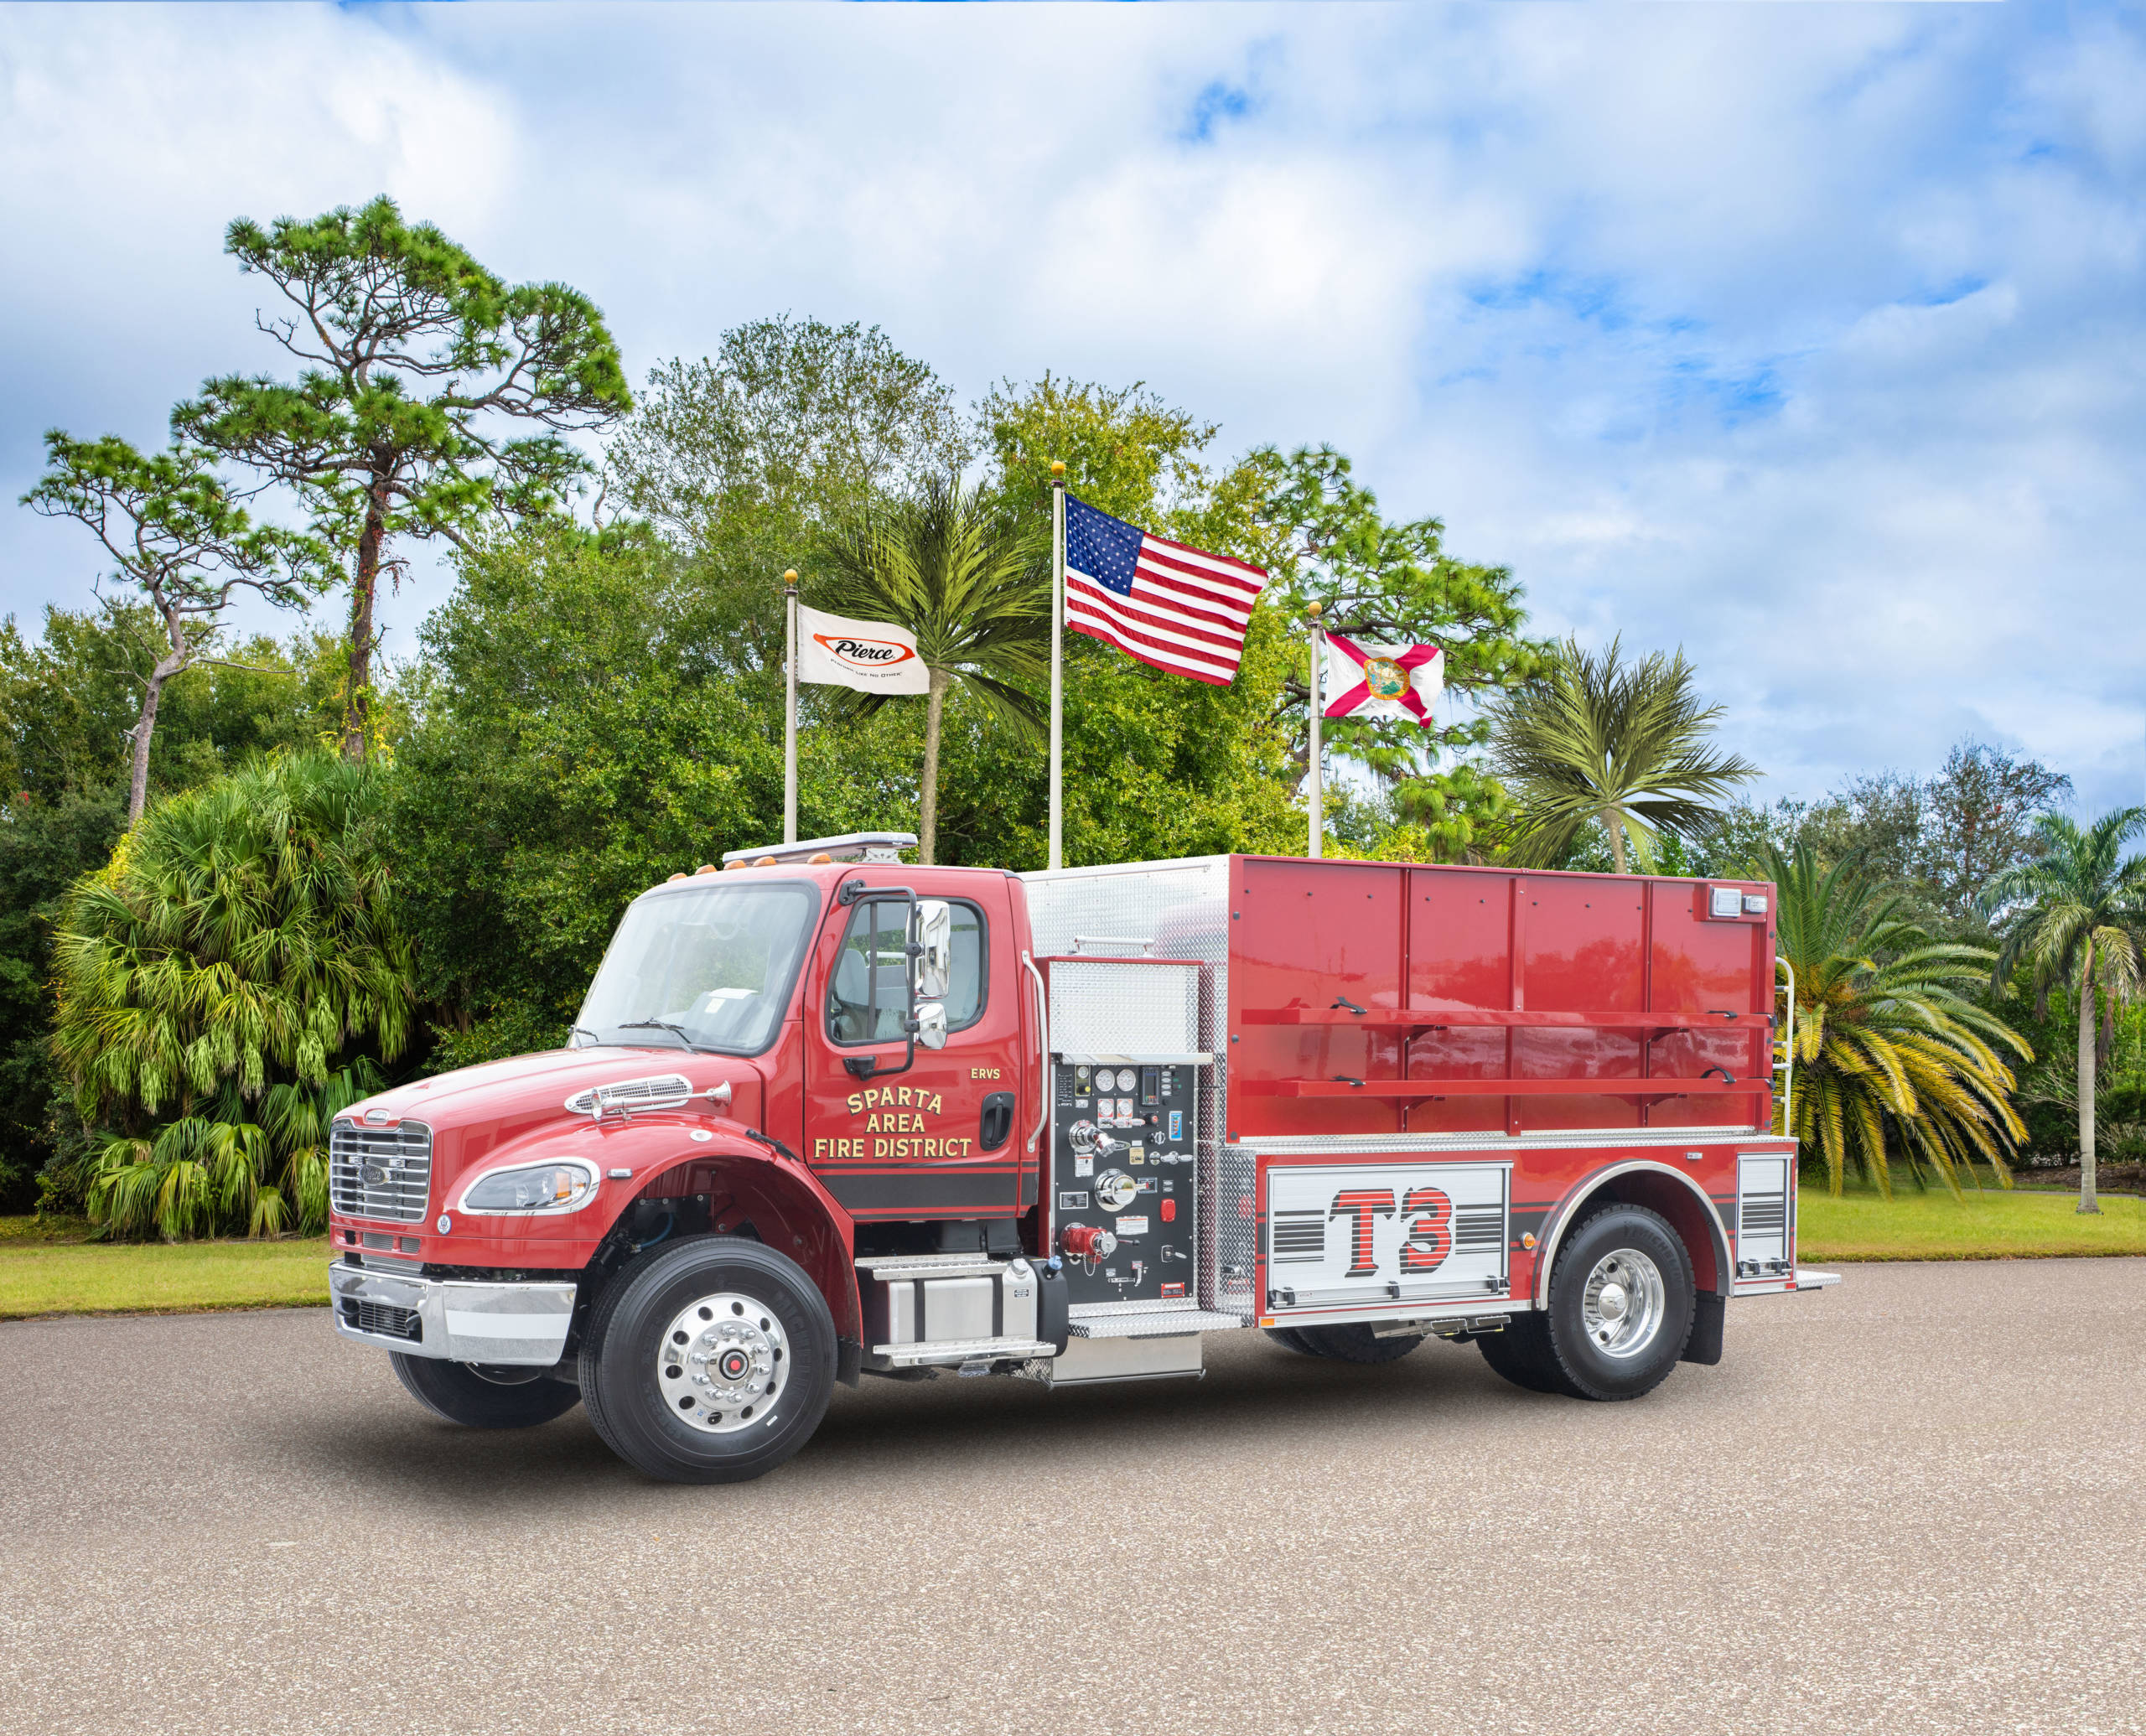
{"points": [[211, 1171], [1889, 1053], [975, 594], [2077, 915], [243, 937], [1595, 741]]}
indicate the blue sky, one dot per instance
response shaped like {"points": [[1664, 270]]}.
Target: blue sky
{"points": [[1811, 338]]}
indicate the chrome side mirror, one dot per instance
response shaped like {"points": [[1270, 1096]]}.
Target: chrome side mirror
{"points": [[934, 952], [932, 1024]]}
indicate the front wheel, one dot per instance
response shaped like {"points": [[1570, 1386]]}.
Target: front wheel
{"points": [[711, 1361], [482, 1398], [1622, 1300]]}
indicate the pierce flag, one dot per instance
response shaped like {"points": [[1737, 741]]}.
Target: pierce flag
{"points": [[871, 656], [1399, 683]]}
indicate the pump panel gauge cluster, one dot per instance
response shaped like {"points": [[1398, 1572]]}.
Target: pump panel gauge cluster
{"points": [[1123, 1180]]}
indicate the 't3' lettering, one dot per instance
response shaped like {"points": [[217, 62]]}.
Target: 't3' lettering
{"points": [[1426, 1240]]}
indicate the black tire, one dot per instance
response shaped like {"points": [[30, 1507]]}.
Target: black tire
{"points": [[483, 1398], [1584, 1368], [1290, 1339], [624, 1385], [1354, 1343], [1521, 1354]]}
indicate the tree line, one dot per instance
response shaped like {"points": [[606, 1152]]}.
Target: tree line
{"points": [[244, 879]]}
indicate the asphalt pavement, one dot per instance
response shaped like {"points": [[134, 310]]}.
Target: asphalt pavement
{"points": [[1913, 1503]]}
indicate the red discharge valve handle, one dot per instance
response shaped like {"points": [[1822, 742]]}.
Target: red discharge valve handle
{"points": [[1086, 1241]]}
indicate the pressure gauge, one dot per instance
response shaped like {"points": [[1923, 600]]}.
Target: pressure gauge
{"points": [[1115, 1191]]}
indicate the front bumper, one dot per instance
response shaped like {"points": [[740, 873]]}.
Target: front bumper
{"points": [[514, 1325]]}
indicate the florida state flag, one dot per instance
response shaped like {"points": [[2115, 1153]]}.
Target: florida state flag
{"points": [[1394, 682]]}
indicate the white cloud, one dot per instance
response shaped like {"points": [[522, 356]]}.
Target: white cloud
{"points": [[1808, 338]]}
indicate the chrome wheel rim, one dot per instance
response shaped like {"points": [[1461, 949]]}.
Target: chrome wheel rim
{"points": [[722, 1363], [1624, 1303]]}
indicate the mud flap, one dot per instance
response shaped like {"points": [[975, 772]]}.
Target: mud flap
{"points": [[849, 1358], [1704, 1344]]}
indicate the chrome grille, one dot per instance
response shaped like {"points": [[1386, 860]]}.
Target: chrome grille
{"points": [[385, 1320], [384, 1173]]}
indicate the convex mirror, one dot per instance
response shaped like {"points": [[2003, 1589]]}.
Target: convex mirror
{"points": [[931, 1022]]}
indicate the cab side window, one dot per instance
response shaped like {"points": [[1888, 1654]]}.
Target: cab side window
{"points": [[867, 1005]]}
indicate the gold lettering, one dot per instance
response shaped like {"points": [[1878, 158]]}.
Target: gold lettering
{"points": [[856, 1102], [880, 1148], [901, 1095], [935, 1102]]}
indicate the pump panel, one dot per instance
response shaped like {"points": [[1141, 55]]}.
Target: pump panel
{"points": [[1124, 1177]]}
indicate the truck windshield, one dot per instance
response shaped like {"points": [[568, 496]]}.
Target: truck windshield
{"points": [[711, 967]]}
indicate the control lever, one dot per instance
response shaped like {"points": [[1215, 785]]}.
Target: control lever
{"points": [[1169, 1254]]}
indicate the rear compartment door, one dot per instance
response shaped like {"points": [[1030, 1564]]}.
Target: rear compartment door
{"points": [[1762, 1226]]}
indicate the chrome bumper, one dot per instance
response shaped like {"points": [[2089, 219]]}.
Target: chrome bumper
{"points": [[514, 1325]]}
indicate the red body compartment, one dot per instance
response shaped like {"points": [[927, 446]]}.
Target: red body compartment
{"points": [[1368, 998]]}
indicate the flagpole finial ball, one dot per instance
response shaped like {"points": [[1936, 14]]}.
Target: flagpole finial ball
{"points": [[791, 576], [1312, 609], [1058, 466]]}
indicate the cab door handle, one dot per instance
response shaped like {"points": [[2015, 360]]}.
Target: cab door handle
{"points": [[997, 1121]]}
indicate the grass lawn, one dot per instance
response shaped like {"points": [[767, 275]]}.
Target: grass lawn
{"points": [[53, 1268], [48, 1269], [1989, 1224]]}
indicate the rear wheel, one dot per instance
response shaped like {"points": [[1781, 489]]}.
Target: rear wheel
{"points": [[711, 1361], [1622, 1300], [483, 1397], [1354, 1343], [1290, 1339]]}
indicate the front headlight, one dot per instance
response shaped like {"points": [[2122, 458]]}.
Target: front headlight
{"points": [[565, 1185]]}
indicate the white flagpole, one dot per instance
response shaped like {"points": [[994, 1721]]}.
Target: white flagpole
{"points": [[1318, 779], [790, 707], [1057, 661]]}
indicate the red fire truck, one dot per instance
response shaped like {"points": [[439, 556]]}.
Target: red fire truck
{"points": [[824, 1114]]}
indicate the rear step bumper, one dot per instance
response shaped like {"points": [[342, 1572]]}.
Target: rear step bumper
{"points": [[1805, 1277]]}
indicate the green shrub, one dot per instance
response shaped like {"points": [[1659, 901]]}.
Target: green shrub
{"points": [[223, 986]]}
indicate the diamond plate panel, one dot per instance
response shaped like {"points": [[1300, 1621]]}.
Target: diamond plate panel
{"points": [[1231, 1243], [1109, 1007]]}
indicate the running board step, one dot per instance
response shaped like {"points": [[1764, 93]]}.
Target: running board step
{"points": [[1161, 1323], [951, 1352]]}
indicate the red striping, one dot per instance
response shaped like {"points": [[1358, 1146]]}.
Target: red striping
{"points": [[1172, 665], [1113, 607]]}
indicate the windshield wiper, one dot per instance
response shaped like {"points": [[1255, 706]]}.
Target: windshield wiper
{"points": [[663, 1024], [583, 1030]]}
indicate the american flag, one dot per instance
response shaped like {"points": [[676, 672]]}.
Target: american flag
{"points": [[1179, 608]]}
